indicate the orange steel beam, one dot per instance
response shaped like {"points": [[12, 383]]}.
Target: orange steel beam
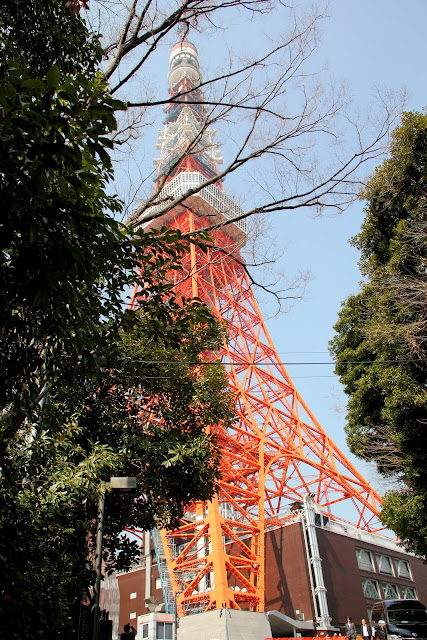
{"points": [[276, 452], [274, 455]]}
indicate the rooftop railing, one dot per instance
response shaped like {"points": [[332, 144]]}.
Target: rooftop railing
{"points": [[211, 194]]}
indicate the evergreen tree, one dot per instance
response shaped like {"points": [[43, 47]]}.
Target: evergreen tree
{"points": [[380, 341]]}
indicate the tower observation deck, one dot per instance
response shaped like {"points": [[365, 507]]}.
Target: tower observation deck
{"points": [[189, 156], [276, 455]]}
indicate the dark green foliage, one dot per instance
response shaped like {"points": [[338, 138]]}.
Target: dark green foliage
{"points": [[380, 342], [64, 259], [89, 431], [42, 33], [405, 510], [396, 194], [64, 324]]}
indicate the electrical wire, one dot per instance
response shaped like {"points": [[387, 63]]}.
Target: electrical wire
{"points": [[267, 364]]}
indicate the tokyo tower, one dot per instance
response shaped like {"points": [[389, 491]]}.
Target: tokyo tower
{"points": [[276, 455]]}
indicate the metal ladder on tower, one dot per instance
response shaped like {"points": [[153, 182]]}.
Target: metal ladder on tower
{"points": [[168, 594]]}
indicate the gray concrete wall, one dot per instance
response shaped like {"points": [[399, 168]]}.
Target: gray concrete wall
{"points": [[224, 624]]}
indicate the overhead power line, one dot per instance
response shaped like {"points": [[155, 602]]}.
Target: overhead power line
{"points": [[247, 363]]}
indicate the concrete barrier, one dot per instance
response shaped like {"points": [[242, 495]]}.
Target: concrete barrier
{"points": [[320, 637]]}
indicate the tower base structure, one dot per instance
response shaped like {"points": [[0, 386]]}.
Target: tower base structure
{"points": [[224, 624], [359, 568]]}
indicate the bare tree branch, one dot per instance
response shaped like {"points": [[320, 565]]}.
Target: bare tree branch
{"points": [[294, 137]]}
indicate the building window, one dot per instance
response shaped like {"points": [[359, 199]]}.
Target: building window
{"points": [[145, 630], [385, 564], [364, 560], [403, 569], [158, 583], [164, 631], [320, 520], [133, 595], [132, 615], [408, 593], [370, 589], [390, 591]]}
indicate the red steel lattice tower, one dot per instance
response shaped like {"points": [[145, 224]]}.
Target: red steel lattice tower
{"points": [[276, 454]]}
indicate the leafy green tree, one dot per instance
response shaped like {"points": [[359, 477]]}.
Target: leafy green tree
{"points": [[42, 33], [113, 409], [140, 418], [380, 341], [65, 259]]}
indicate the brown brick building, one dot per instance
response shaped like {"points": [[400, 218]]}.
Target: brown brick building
{"points": [[314, 579]]}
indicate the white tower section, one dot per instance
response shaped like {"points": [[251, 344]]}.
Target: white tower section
{"points": [[185, 126], [189, 157], [184, 63]]}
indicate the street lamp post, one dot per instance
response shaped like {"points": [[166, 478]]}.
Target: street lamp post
{"points": [[125, 485], [176, 619], [98, 567]]}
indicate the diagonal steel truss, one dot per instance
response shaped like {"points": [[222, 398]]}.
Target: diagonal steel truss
{"points": [[275, 454]]}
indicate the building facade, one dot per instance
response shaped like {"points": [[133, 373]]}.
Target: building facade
{"points": [[357, 569]]}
